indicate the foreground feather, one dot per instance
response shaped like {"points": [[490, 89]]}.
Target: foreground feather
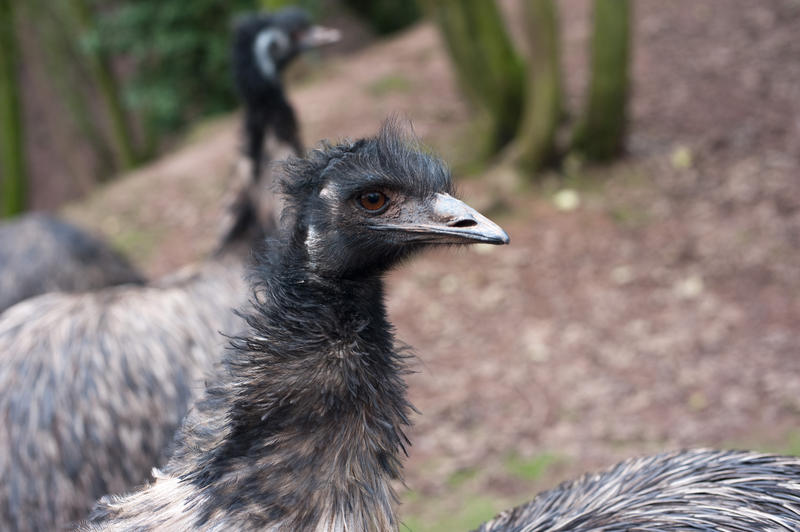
{"points": [[723, 491]]}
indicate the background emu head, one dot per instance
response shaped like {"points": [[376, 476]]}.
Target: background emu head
{"points": [[359, 208], [273, 40]]}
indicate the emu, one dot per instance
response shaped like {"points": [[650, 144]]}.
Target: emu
{"points": [[302, 428], [94, 385], [263, 45], [703, 489], [40, 253]]}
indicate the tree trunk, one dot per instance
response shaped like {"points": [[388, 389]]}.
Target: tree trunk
{"points": [[58, 39], [534, 146], [599, 136], [12, 153], [100, 66], [487, 66]]}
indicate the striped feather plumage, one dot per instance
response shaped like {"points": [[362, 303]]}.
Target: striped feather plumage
{"points": [[94, 385], [700, 490], [40, 253]]}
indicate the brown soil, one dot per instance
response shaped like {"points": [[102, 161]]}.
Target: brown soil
{"points": [[661, 313]]}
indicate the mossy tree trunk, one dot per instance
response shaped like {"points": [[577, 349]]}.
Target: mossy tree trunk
{"points": [[600, 133], [534, 145], [12, 153], [487, 66], [59, 37], [106, 80]]}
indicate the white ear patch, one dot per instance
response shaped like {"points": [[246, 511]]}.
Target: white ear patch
{"points": [[270, 45]]}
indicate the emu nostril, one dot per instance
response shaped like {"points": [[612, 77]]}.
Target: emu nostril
{"points": [[465, 222]]}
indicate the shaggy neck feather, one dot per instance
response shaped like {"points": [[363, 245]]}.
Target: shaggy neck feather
{"points": [[316, 407]]}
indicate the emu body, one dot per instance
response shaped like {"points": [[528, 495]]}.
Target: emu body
{"points": [[303, 427], [700, 490], [40, 253], [94, 385]]}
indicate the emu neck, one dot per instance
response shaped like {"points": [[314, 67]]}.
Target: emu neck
{"points": [[319, 406], [243, 234]]}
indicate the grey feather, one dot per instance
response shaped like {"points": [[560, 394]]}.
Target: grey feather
{"points": [[93, 385], [708, 490], [40, 253]]}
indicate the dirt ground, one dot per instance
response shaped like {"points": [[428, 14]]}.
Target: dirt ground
{"points": [[660, 313]]}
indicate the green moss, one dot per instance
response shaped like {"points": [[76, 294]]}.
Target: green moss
{"points": [[793, 446], [473, 511], [412, 496], [790, 445], [785, 443], [530, 468], [461, 476], [389, 84], [629, 216], [411, 524], [139, 243]]}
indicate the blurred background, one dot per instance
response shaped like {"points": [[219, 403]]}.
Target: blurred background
{"points": [[643, 155]]}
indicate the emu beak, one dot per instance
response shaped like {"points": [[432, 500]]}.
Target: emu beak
{"points": [[447, 220], [317, 36]]}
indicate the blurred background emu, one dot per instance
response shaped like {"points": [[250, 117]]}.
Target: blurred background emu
{"points": [[644, 156]]}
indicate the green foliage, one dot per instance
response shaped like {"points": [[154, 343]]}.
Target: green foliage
{"points": [[13, 178], [105, 77], [386, 16], [180, 52], [312, 6]]}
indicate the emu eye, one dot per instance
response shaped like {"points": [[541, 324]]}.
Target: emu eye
{"points": [[373, 201]]}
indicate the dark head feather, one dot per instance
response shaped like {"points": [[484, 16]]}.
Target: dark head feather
{"points": [[320, 191]]}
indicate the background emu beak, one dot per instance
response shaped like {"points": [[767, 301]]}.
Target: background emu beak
{"points": [[317, 36]]}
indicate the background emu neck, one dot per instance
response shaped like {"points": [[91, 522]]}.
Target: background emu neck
{"points": [[316, 405]]}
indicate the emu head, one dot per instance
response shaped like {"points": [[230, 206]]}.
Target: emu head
{"points": [[359, 208], [275, 39]]}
